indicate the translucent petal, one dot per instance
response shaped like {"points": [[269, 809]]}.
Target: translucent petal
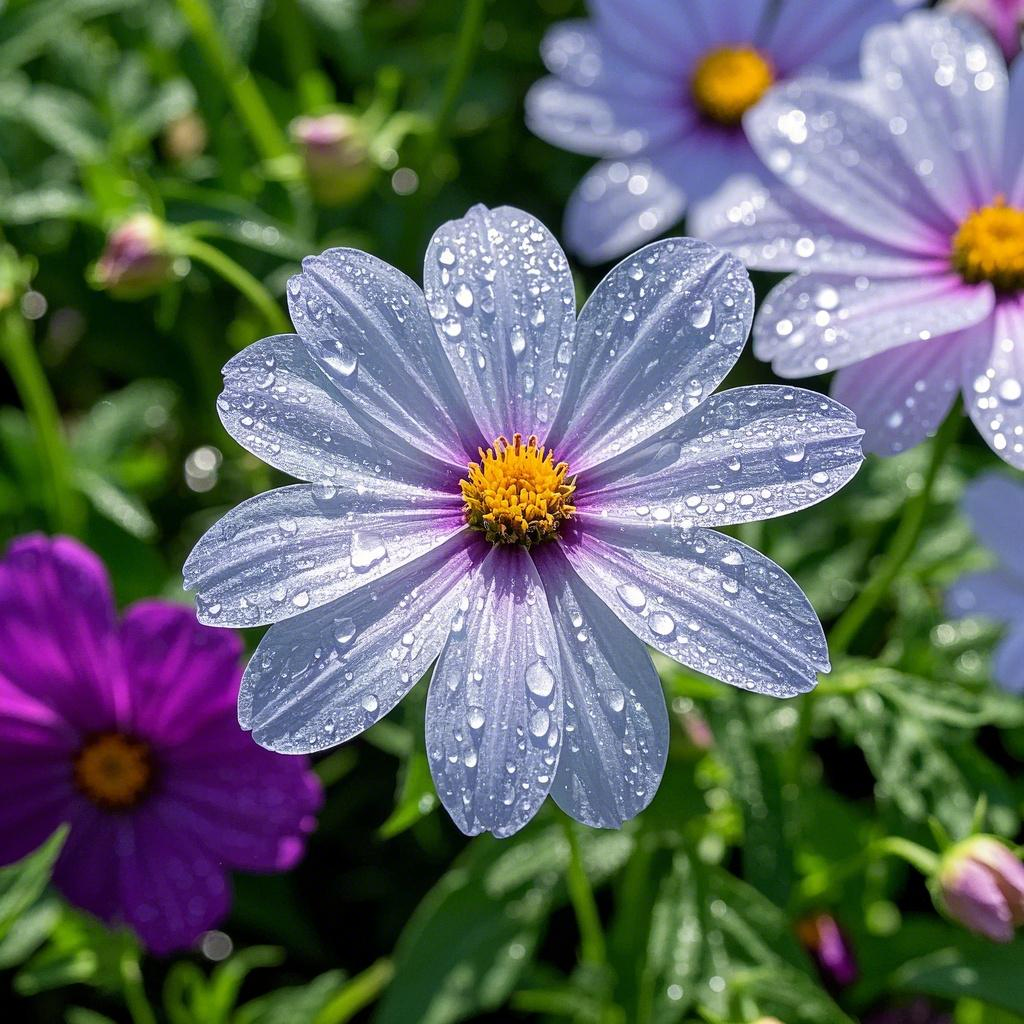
{"points": [[501, 295], [995, 506], [1013, 138], [494, 709], [743, 455], [616, 722], [705, 600], [654, 339], [994, 593], [1008, 661], [321, 678], [298, 547]]}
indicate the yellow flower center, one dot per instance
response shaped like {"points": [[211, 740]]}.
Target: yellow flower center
{"points": [[728, 81], [114, 770], [517, 494], [989, 246]]}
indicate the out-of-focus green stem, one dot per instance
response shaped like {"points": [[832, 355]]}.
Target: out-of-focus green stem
{"points": [[252, 108], [312, 84], [906, 537], [462, 61], [134, 992], [358, 992], [593, 951], [816, 885], [238, 277], [19, 355]]}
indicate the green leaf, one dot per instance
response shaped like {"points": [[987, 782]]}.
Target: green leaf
{"points": [[298, 1004], [23, 883], [417, 797], [29, 931]]}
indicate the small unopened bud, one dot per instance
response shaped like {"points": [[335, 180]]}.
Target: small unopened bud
{"points": [[981, 885], [335, 148], [1003, 18], [135, 261], [825, 940], [184, 138], [767, 1020]]}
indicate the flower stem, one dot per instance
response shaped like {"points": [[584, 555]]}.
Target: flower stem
{"points": [[19, 355], [238, 277], [462, 61], [904, 540], [245, 95], [593, 951], [134, 991]]}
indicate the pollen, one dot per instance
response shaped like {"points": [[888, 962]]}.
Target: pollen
{"points": [[989, 246], [517, 493], [114, 770], [728, 81]]}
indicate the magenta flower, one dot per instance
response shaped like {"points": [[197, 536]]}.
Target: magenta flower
{"points": [[830, 947], [981, 885], [901, 203], [1003, 18], [126, 730], [995, 506], [658, 88], [523, 495], [136, 260]]}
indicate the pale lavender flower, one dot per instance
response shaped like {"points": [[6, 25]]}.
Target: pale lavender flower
{"points": [[534, 569], [901, 201], [657, 89], [1003, 18], [995, 506], [981, 885]]}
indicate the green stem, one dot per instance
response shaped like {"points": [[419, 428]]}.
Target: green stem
{"points": [[19, 355], [357, 993], [903, 542], [252, 108], [816, 885], [238, 277], [462, 62], [593, 951], [134, 991], [312, 85]]}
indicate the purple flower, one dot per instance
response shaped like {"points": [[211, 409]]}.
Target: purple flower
{"points": [[658, 90], [1003, 18], [903, 208], [995, 506], [919, 1011], [981, 885], [126, 730], [824, 938], [335, 149], [136, 260], [524, 496]]}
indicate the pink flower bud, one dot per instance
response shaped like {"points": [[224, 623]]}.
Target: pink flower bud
{"points": [[135, 261], [825, 940], [335, 149], [981, 885], [1003, 18]]}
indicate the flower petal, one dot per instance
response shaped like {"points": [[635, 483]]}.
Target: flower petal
{"points": [[857, 174], [705, 600], [945, 81], [816, 322], [494, 708], [978, 903], [995, 506], [500, 292], [994, 380], [1008, 662], [1013, 138], [278, 404], [656, 336], [902, 395], [616, 722], [993, 593], [743, 455], [299, 547], [366, 326], [321, 678]]}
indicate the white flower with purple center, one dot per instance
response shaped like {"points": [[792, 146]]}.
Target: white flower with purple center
{"points": [[994, 505], [658, 89], [902, 206], [524, 497]]}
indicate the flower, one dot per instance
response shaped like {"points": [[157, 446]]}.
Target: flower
{"points": [[136, 260], [1003, 18], [903, 208], [919, 1011], [126, 730], [821, 934], [335, 148], [995, 506], [523, 496], [981, 885], [658, 89]]}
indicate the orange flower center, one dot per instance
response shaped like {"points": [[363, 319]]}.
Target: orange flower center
{"points": [[728, 81], [989, 246], [114, 770]]}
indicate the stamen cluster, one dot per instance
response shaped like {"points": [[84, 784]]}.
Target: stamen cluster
{"points": [[114, 770], [990, 247], [728, 81]]}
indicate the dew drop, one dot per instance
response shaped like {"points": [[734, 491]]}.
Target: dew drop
{"points": [[631, 596], [540, 680], [662, 623]]}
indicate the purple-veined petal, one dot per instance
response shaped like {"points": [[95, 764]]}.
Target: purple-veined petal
{"points": [[812, 323], [620, 204], [1008, 660], [37, 794], [855, 174], [366, 326], [704, 600], [993, 593], [1013, 138], [727, 24], [495, 704], [321, 678], [769, 227], [298, 547], [994, 380], [743, 455], [278, 404], [975, 899], [942, 83], [502, 298], [994, 504], [902, 395], [654, 339], [616, 729]]}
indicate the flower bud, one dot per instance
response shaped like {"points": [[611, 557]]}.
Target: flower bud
{"points": [[335, 149], [824, 939], [184, 138], [981, 885], [1003, 18], [135, 261], [767, 1020]]}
